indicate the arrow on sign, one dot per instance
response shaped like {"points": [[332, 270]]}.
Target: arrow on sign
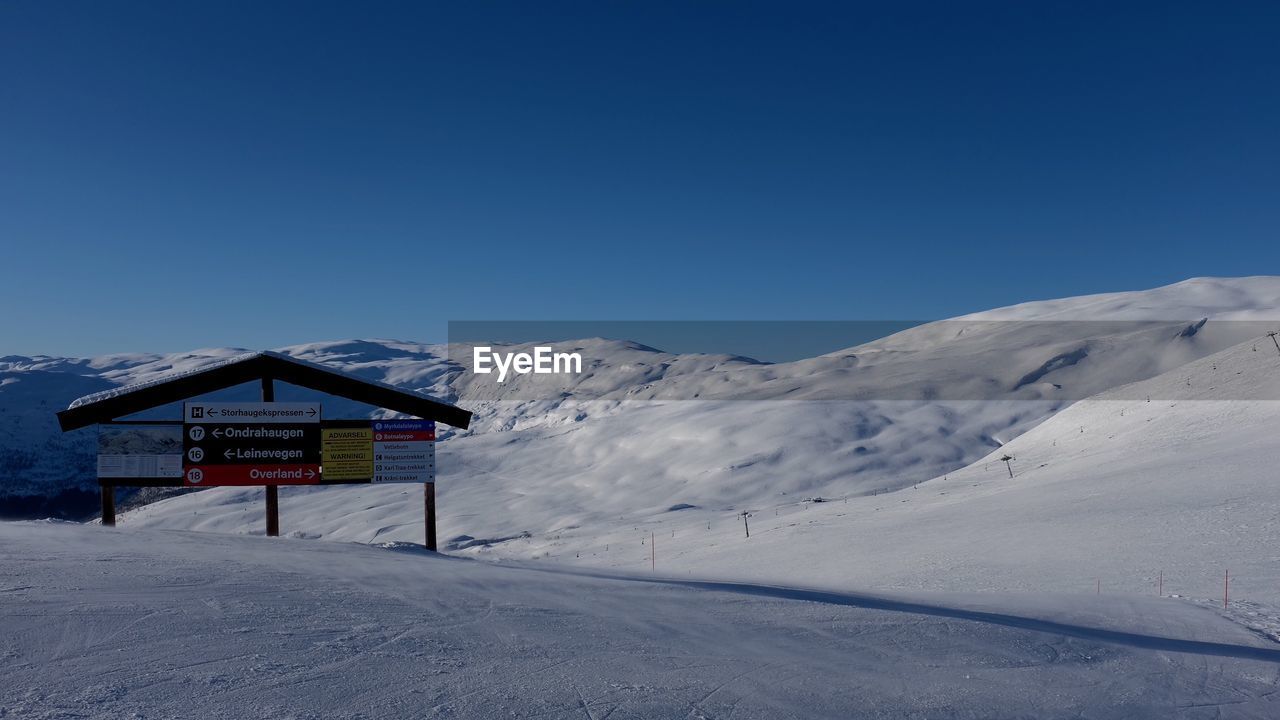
{"points": [[217, 432], [312, 412], [226, 454], [311, 474]]}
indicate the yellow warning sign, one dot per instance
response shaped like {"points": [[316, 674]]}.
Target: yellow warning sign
{"points": [[346, 453]]}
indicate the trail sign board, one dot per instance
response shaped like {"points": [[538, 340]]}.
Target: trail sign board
{"points": [[264, 443], [404, 451], [380, 451]]}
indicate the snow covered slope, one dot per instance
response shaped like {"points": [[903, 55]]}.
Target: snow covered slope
{"points": [[1113, 494], [96, 623], [605, 471]]}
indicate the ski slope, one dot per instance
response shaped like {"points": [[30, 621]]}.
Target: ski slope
{"points": [[596, 481], [100, 623], [1113, 493]]}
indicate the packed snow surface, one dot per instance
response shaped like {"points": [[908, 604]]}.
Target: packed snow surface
{"points": [[100, 623]]}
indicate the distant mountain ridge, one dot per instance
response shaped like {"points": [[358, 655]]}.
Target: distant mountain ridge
{"points": [[881, 414]]}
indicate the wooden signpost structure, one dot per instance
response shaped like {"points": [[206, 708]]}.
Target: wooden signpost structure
{"points": [[267, 443]]}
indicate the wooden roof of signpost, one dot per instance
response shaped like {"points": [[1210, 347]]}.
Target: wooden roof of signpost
{"points": [[112, 404]]}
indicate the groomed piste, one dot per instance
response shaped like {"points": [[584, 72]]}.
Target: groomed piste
{"points": [[101, 623]]}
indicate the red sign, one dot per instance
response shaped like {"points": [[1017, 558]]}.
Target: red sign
{"points": [[252, 475]]}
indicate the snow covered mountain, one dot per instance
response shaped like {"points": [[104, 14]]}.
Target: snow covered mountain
{"points": [[1114, 493], [1117, 490], [644, 431]]}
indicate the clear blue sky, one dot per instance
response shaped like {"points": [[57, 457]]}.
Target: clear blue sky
{"points": [[177, 175]]}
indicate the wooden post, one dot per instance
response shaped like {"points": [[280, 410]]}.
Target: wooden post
{"points": [[109, 505], [273, 511], [273, 491], [429, 500]]}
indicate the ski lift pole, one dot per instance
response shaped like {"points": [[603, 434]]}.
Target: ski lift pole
{"points": [[1007, 459]]}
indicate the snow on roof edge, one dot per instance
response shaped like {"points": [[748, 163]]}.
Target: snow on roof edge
{"points": [[215, 364]]}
